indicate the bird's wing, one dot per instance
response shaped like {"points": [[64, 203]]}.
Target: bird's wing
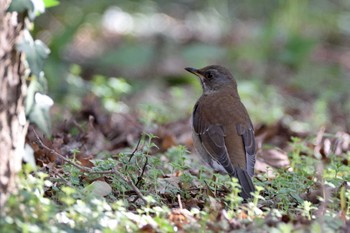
{"points": [[247, 134], [213, 141], [212, 138]]}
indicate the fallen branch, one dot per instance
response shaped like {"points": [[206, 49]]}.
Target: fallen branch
{"points": [[89, 170]]}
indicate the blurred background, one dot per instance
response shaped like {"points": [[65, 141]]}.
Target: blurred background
{"points": [[291, 58]]}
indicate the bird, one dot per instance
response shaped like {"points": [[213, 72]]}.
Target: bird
{"points": [[222, 131]]}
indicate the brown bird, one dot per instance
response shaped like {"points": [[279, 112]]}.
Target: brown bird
{"points": [[223, 133]]}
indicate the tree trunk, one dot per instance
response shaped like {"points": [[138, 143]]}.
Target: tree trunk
{"points": [[13, 124]]}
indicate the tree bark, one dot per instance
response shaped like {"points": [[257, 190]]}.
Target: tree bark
{"points": [[13, 123]]}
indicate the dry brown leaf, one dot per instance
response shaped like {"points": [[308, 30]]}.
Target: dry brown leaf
{"points": [[180, 217], [242, 215], [174, 133], [262, 167], [325, 146], [192, 203], [214, 204], [167, 142], [319, 190], [277, 134], [235, 224], [342, 143], [147, 229], [275, 158], [84, 160]]}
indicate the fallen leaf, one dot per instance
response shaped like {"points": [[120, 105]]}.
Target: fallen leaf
{"points": [[180, 217], [275, 158], [147, 229], [99, 188]]}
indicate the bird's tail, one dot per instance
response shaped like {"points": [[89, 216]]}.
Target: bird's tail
{"points": [[245, 181]]}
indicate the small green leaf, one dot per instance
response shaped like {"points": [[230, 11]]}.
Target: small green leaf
{"points": [[39, 8], [28, 155], [36, 52], [34, 7], [33, 87], [40, 114], [51, 3], [38, 105], [21, 5], [297, 197]]}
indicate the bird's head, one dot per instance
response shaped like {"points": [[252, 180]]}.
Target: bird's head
{"points": [[214, 78]]}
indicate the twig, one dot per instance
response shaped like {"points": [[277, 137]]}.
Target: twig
{"points": [[179, 200], [133, 153], [139, 178], [52, 151], [75, 123], [61, 177], [136, 148], [129, 182], [259, 179], [89, 170]]}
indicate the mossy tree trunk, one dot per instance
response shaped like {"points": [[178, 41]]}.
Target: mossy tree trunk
{"points": [[13, 124]]}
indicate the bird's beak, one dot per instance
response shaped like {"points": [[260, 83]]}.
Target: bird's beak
{"points": [[194, 71]]}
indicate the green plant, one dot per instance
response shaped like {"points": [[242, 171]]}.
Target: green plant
{"points": [[37, 102], [306, 208], [233, 197]]}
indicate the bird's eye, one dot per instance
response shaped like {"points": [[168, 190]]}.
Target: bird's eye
{"points": [[210, 75]]}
